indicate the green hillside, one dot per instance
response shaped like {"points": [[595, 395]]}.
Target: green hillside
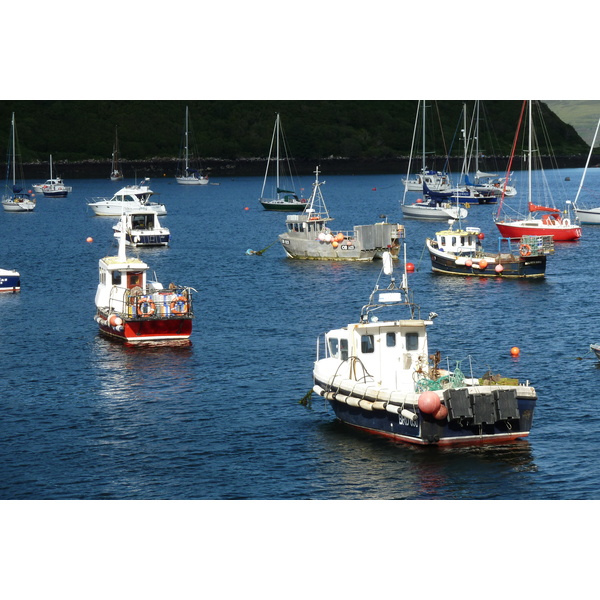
{"points": [[76, 130]]}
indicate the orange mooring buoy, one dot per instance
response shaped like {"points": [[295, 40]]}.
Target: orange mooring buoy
{"points": [[514, 351]]}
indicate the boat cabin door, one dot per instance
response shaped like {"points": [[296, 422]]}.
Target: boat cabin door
{"points": [[135, 279]]}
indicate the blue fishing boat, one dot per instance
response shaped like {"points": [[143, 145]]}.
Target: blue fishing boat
{"points": [[378, 376]]}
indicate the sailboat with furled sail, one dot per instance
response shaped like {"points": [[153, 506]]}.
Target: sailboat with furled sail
{"points": [[280, 198], [188, 175], [116, 173], [541, 219], [15, 199]]}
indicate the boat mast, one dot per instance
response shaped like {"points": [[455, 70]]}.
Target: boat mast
{"points": [[586, 165], [530, 157], [424, 165], [186, 140], [277, 160], [14, 158]]}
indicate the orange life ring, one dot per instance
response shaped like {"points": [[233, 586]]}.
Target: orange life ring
{"points": [[146, 301], [179, 306], [524, 249]]}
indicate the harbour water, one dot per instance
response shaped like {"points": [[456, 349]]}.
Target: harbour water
{"points": [[86, 418]]}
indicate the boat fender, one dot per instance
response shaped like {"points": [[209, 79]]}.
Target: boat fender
{"points": [[524, 249], [353, 402], [429, 402], [179, 306], [317, 389], [391, 408], [379, 405], [146, 307], [365, 405], [441, 413], [407, 414]]}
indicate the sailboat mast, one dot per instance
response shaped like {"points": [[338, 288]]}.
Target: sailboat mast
{"points": [[14, 158], [424, 165], [530, 137], [186, 140], [586, 164], [277, 160]]}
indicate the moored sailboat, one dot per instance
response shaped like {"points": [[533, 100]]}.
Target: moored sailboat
{"points": [[280, 199], [15, 199], [116, 172], [428, 210], [541, 219], [188, 175]]}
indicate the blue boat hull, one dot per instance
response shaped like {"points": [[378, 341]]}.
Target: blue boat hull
{"points": [[10, 283], [426, 430]]}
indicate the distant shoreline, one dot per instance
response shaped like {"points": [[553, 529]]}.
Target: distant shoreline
{"points": [[161, 167]]}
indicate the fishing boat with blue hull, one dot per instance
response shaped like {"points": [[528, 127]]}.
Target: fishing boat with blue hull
{"points": [[378, 376], [461, 252], [135, 310], [10, 281]]}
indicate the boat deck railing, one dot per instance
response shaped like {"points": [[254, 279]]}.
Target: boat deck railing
{"points": [[171, 303]]}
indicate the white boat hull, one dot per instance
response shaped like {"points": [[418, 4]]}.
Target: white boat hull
{"points": [[433, 213], [191, 181], [588, 216], [18, 206], [110, 210]]}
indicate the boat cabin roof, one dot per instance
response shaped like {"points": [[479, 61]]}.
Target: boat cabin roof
{"points": [[115, 263]]}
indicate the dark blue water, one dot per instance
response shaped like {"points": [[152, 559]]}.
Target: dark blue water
{"points": [[85, 418]]}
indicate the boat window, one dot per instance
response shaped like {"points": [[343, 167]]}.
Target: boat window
{"points": [[412, 341], [390, 339], [344, 348], [116, 277], [367, 345], [333, 346]]}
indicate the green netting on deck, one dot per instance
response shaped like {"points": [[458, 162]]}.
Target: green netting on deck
{"points": [[455, 379]]}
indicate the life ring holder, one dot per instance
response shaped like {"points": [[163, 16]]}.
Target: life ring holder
{"points": [[179, 305], [146, 301], [525, 250]]}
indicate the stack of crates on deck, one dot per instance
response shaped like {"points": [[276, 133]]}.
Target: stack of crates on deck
{"points": [[539, 244]]}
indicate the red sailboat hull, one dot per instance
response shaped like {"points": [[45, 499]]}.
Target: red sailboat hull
{"points": [[560, 233]]}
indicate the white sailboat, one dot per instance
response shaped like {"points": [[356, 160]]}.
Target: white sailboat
{"points": [[14, 198], [591, 215], [116, 173], [280, 199], [428, 210], [188, 175], [435, 180]]}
